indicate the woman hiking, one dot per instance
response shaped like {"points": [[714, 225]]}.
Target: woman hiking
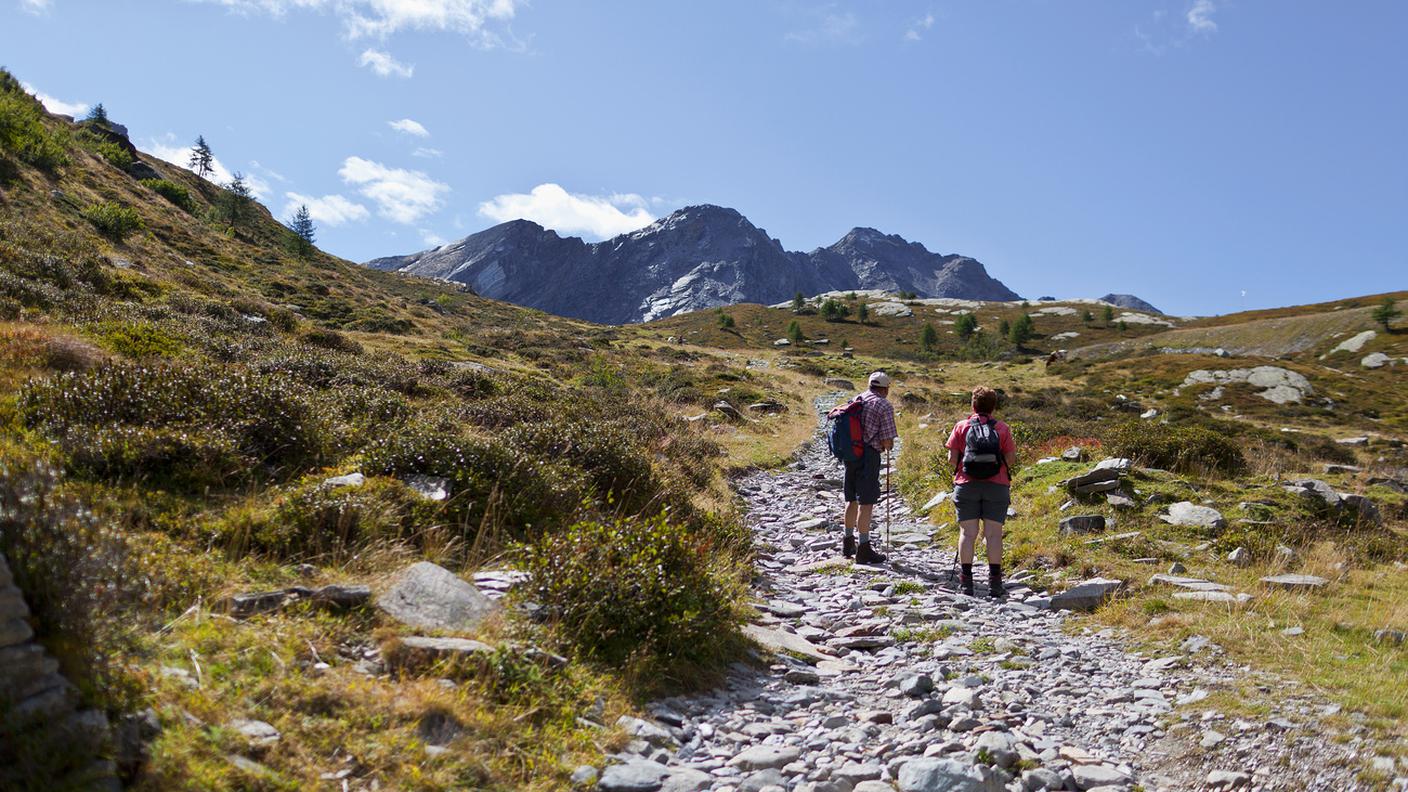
{"points": [[982, 453]]}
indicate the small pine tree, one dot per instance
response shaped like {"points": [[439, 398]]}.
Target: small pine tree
{"points": [[862, 313], [1107, 314], [850, 295], [725, 320], [233, 203], [1004, 328], [794, 332], [1087, 316], [304, 231], [1385, 313], [1122, 325], [98, 115], [798, 301], [1022, 330], [202, 160], [965, 325], [928, 338], [834, 310]]}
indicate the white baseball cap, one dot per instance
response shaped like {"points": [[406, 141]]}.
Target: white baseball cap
{"points": [[880, 378]]}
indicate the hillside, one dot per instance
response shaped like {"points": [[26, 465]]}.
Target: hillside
{"points": [[287, 522], [696, 258]]}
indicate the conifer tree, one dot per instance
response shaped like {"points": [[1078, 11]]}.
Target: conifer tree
{"points": [[303, 229], [928, 338], [1385, 313], [98, 115], [862, 313], [797, 302], [965, 325], [1108, 315], [794, 332], [202, 160]]}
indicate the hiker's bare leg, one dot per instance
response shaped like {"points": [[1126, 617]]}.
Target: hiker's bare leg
{"points": [[852, 509], [968, 537], [863, 521], [992, 537]]}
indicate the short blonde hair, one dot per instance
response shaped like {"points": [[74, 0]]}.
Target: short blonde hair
{"points": [[984, 400]]}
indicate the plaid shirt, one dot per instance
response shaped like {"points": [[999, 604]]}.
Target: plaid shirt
{"points": [[877, 419]]}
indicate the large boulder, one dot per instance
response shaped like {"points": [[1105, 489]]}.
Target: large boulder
{"points": [[636, 775], [1189, 513], [932, 774], [430, 597], [1086, 595], [1083, 524]]}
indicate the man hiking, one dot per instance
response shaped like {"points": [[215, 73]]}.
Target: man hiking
{"points": [[982, 453], [862, 481]]}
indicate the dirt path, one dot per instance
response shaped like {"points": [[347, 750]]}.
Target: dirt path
{"points": [[886, 678]]}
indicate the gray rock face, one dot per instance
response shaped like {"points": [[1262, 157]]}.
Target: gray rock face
{"points": [[430, 597], [698, 257], [1131, 302], [637, 775], [1083, 524], [762, 757]]}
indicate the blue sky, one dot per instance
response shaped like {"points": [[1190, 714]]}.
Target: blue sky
{"points": [[1208, 155]]}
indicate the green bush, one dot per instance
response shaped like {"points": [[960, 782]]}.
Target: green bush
{"points": [[171, 191], [139, 340], [1185, 448], [115, 154], [268, 421], [23, 134], [492, 486], [618, 469], [636, 591], [114, 221], [166, 458], [315, 521], [76, 574]]}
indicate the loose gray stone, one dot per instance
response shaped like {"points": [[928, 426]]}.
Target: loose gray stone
{"points": [[1189, 513], [1094, 775], [1083, 524], [1087, 595], [761, 757], [945, 775], [1295, 582], [635, 775], [430, 597]]}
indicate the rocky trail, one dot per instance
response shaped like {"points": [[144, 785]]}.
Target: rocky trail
{"points": [[885, 678]]}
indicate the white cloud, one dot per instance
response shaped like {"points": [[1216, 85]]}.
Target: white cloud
{"points": [[181, 155], [331, 210], [478, 20], [36, 7], [401, 195], [916, 31], [384, 65], [426, 152], [1200, 17], [410, 127], [831, 28], [431, 238], [553, 207], [53, 105]]}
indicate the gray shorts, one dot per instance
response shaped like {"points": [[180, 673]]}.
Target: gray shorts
{"points": [[982, 500]]}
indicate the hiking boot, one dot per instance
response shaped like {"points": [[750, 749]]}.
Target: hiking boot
{"points": [[995, 588], [848, 546], [965, 581], [865, 555]]}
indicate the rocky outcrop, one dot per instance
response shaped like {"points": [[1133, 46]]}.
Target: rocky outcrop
{"points": [[1131, 302], [698, 257], [45, 738]]}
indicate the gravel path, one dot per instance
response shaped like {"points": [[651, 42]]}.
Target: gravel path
{"points": [[885, 678]]}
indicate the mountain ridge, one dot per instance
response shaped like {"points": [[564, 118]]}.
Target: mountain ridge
{"points": [[697, 257]]}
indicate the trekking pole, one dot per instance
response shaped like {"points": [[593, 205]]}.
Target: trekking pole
{"points": [[889, 498]]}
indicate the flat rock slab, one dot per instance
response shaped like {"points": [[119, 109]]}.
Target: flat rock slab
{"points": [[1211, 596], [637, 775], [946, 775], [1189, 513], [762, 757], [430, 597], [1086, 595], [1083, 523], [1295, 582], [1191, 584], [786, 643], [820, 566]]}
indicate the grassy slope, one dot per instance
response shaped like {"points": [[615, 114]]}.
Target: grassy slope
{"points": [[171, 296]]}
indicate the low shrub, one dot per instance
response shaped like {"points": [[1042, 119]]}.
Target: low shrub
{"points": [[22, 130], [331, 339], [316, 521], [493, 487], [138, 340], [619, 470], [267, 421], [636, 591], [113, 153], [173, 192], [75, 571], [114, 221], [182, 459], [1186, 448]]}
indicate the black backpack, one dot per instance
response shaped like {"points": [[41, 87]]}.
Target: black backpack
{"points": [[982, 452]]}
